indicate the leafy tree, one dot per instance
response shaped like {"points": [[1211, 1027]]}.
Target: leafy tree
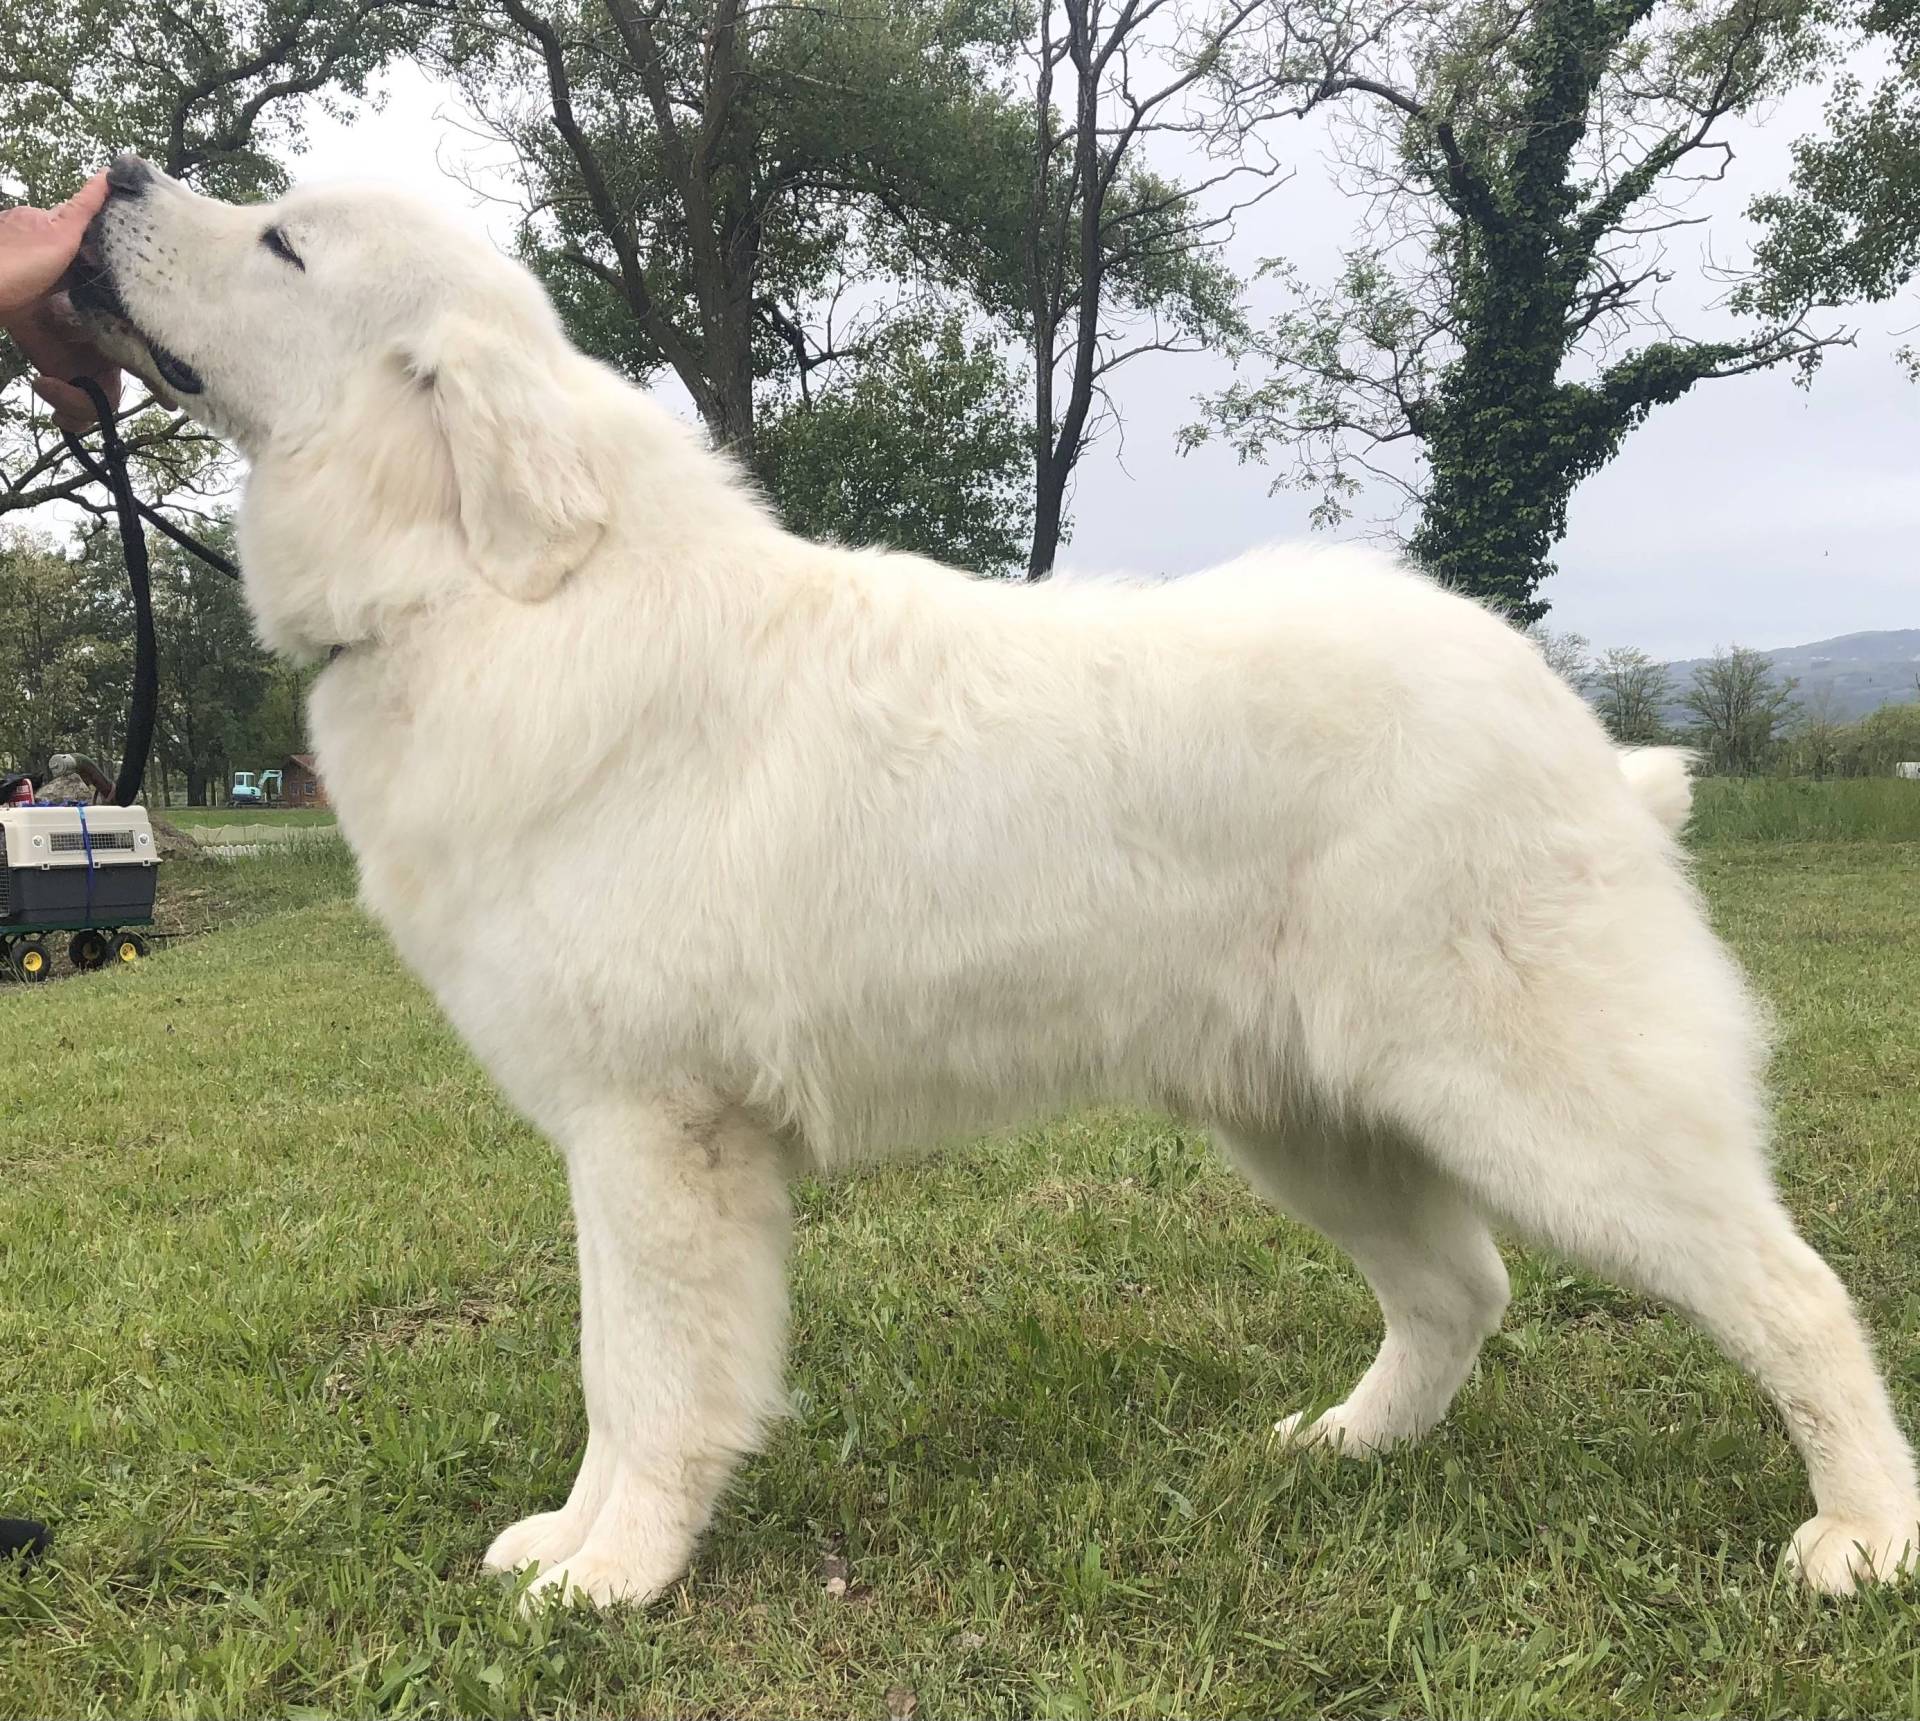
{"points": [[1521, 162], [701, 177], [919, 448], [66, 664], [1630, 691], [212, 90], [277, 723], [1849, 228], [1816, 739], [704, 181], [46, 643], [1568, 655], [1117, 259], [214, 676], [1879, 741], [1739, 709]]}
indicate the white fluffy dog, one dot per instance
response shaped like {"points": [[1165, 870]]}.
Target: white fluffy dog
{"points": [[835, 853]]}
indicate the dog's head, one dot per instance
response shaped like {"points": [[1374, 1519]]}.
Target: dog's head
{"points": [[357, 327]]}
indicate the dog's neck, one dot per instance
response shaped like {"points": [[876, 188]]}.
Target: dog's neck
{"points": [[343, 535]]}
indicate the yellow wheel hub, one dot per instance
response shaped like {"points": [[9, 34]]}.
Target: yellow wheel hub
{"points": [[126, 952], [33, 962]]}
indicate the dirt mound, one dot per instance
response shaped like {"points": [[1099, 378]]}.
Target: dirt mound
{"points": [[172, 842], [68, 787]]}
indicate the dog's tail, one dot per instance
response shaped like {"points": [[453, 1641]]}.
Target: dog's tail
{"points": [[1662, 778]]}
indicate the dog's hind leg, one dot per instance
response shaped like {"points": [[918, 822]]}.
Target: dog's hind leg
{"points": [[682, 1207], [1424, 1250], [1641, 1157]]}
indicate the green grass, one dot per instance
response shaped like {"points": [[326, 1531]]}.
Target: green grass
{"points": [[207, 893], [1794, 809], [197, 893], [288, 1334]]}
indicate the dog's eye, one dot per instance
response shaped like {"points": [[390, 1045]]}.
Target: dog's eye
{"points": [[276, 242]]}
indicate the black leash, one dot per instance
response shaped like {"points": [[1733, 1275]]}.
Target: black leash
{"points": [[111, 470]]}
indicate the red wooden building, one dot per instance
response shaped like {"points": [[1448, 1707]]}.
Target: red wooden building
{"points": [[300, 784]]}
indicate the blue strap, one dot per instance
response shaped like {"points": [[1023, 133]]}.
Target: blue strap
{"points": [[86, 843]]}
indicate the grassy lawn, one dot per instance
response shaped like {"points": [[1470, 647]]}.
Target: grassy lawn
{"points": [[1777, 809], [287, 1334]]}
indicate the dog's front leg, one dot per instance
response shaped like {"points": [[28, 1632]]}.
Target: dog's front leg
{"points": [[547, 1538], [682, 1210]]}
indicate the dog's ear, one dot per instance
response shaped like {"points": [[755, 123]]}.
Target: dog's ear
{"points": [[531, 504]]}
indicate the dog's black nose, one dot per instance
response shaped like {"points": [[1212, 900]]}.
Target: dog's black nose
{"points": [[129, 175]]}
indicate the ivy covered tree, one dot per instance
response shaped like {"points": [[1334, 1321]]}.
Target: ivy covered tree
{"points": [[1848, 229], [1524, 164]]}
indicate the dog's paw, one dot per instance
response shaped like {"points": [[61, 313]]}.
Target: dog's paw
{"points": [[1837, 1555], [602, 1581], [543, 1540], [1340, 1429]]}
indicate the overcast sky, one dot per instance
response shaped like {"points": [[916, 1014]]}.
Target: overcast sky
{"points": [[1750, 512]]}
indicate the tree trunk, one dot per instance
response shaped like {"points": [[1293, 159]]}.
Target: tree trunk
{"points": [[196, 785], [730, 419], [1049, 505], [1496, 503]]}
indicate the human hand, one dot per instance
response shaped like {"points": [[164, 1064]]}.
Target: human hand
{"points": [[36, 247], [60, 352]]}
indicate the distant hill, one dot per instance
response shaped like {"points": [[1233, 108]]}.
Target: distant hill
{"points": [[1858, 672]]}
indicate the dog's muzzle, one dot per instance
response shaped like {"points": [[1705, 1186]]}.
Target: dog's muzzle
{"points": [[93, 292]]}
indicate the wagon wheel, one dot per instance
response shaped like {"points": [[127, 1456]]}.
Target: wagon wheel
{"points": [[125, 948], [32, 961], [87, 950]]}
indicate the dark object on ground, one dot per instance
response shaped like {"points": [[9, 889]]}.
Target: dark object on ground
{"points": [[22, 1538]]}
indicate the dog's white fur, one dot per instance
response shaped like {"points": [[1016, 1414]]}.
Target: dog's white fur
{"points": [[731, 854]]}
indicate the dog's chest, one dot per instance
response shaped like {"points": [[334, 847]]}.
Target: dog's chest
{"points": [[505, 875], [394, 777]]}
